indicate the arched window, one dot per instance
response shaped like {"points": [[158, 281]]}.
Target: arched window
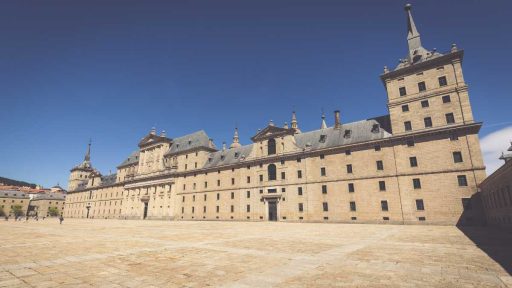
{"points": [[272, 172], [271, 146]]}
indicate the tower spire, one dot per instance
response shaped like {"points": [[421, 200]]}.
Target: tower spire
{"points": [[236, 140], [324, 125], [88, 153], [413, 36], [294, 123]]}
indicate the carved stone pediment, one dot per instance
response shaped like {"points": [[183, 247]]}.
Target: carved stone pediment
{"points": [[151, 139], [272, 132]]}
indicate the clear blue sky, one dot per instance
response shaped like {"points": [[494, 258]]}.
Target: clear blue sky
{"points": [[110, 70]]}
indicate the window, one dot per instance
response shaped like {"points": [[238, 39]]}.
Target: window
{"points": [[283, 190], [232, 195], [454, 136], [232, 181], [457, 157], [232, 208], [352, 206], [382, 185], [205, 197], [348, 134], [299, 191], [422, 86], [301, 207], [271, 146], [282, 162], [424, 104], [261, 178], [325, 206], [385, 218], [349, 168], [193, 197], [377, 148], [405, 108], [218, 182], [248, 194], [428, 122], [204, 209], [402, 91], [183, 199], [466, 203], [450, 119], [380, 165], [407, 125], [410, 143], [248, 208], [463, 181], [421, 218], [248, 179], [419, 205], [205, 184], [298, 160], [351, 187], [416, 183], [322, 171], [348, 152], [283, 175], [271, 169], [442, 81], [217, 208], [446, 99], [322, 156], [324, 189], [384, 205], [299, 174], [218, 196], [413, 161]]}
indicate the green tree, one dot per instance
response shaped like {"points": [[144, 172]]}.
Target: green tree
{"points": [[17, 210], [53, 211]]}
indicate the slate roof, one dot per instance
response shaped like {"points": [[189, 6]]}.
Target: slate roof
{"points": [[132, 159], [228, 156], [189, 142], [13, 194], [50, 196], [108, 180]]}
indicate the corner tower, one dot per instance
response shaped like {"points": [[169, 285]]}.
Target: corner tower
{"points": [[80, 173], [426, 90]]}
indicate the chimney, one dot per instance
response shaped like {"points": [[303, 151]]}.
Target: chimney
{"points": [[337, 120]]}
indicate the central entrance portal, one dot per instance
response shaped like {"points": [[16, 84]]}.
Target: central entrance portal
{"points": [[145, 210], [272, 210]]}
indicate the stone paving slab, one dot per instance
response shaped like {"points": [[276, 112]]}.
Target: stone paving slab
{"points": [[114, 253]]}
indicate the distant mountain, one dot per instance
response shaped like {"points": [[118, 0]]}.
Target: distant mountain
{"points": [[10, 182]]}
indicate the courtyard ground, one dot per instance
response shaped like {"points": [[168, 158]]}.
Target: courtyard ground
{"points": [[116, 253]]}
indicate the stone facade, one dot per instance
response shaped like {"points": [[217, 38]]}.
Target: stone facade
{"points": [[418, 164], [11, 198], [496, 194], [41, 203]]}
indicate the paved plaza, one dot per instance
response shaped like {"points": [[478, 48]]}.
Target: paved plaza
{"points": [[114, 253]]}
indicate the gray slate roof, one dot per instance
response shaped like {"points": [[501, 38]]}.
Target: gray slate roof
{"points": [[228, 156], [13, 194], [108, 180], [132, 159], [50, 196], [188, 142]]}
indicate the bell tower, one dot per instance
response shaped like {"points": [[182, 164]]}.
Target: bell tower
{"points": [[81, 172]]}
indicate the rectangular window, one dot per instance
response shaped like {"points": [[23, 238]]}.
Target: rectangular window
{"points": [[384, 205], [218, 182], [351, 188], [405, 108], [283, 175], [454, 136], [324, 189], [248, 179], [424, 104], [463, 181], [217, 209], [428, 122], [349, 168], [183, 199], [413, 161], [382, 185], [377, 148], [325, 206], [419, 205], [421, 86], [447, 99], [322, 156], [416, 183], [204, 209], [298, 160], [282, 162], [218, 196], [301, 207], [380, 165], [205, 197], [261, 178], [205, 184], [299, 191], [248, 194], [422, 218], [248, 208], [457, 157], [232, 195], [348, 152], [442, 81], [402, 91], [232, 208], [450, 119], [352, 206], [410, 143], [322, 171], [232, 181], [466, 203], [299, 174], [407, 126]]}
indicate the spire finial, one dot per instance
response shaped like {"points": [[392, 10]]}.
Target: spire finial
{"points": [[88, 153], [324, 125], [271, 123], [153, 131], [285, 125], [294, 122], [236, 140], [413, 36]]}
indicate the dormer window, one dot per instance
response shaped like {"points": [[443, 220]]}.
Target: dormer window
{"points": [[348, 133], [322, 138], [222, 157], [375, 128], [189, 142], [209, 160], [236, 155]]}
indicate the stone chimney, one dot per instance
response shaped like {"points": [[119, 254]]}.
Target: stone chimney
{"points": [[337, 120]]}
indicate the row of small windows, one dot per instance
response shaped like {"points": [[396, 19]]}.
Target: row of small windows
{"points": [[427, 121], [426, 103], [423, 87]]}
